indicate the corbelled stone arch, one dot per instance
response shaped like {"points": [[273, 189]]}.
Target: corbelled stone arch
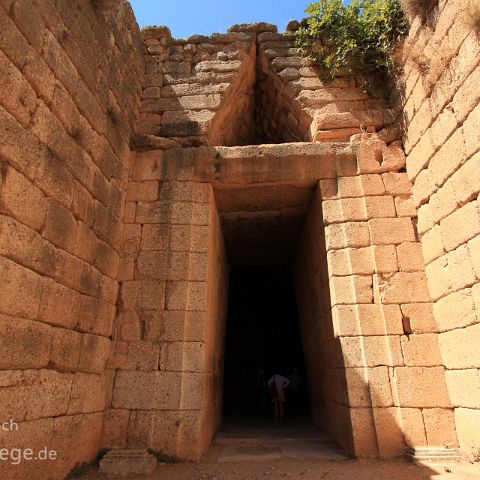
{"points": [[248, 86], [293, 104], [199, 91]]}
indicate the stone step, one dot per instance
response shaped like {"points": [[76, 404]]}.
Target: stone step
{"points": [[432, 454], [299, 450]]}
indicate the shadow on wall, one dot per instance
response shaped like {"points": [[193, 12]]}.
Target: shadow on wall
{"points": [[351, 401]]}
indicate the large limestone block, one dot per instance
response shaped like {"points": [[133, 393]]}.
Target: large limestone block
{"points": [[33, 394], [344, 210], [182, 295], [460, 347], [421, 350], [94, 353], [456, 310], [460, 268], [140, 428], [352, 389], [351, 289], [438, 277], [467, 423], [367, 319], [382, 350], [88, 393], [432, 244], [421, 387], [397, 183], [379, 387], [127, 386], [151, 295], [350, 261], [60, 226], [350, 234], [25, 246], [65, 352], [391, 231], [19, 97], [388, 427], [115, 428], [385, 258], [21, 199], [168, 390], [136, 355], [21, 290], [341, 187], [151, 265], [410, 258], [460, 226], [440, 427], [187, 266], [400, 287], [419, 318], [363, 433], [380, 206], [464, 387], [76, 438], [179, 356], [372, 184], [413, 426], [24, 343]]}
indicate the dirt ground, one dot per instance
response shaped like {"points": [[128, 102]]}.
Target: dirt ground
{"points": [[255, 450], [310, 470]]}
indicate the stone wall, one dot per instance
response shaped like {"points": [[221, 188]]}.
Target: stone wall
{"points": [[293, 103], [249, 86], [171, 321], [82, 218], [441, 122], [69, 76], [199, 91], [375, 372]]}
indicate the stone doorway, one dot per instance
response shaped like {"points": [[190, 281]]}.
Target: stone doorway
{"points": [[337, 210]]}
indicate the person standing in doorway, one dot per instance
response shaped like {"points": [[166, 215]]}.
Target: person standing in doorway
{"points": [[276, 385]]}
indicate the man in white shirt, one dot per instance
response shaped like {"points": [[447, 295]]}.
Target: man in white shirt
{"points": [[276, 385]]}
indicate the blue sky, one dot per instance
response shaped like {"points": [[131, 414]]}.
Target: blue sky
{"points": [[186, 17]]}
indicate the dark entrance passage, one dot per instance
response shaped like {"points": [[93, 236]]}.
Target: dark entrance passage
{"points": [[262, 338]]}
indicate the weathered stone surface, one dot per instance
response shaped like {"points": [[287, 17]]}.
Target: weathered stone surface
{"points": [[467, 422], [34, 394], [80, 215], [460, 358], [421, 350], [389, 436], [440, 427], [401, 287], [253, 27], [386, 231], [127, 463], [147, 142], [422, 387]]}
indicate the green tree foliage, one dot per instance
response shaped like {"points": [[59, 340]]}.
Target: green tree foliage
{"points": [[356, 38]]}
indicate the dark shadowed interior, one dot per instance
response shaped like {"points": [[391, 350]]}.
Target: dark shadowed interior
{"points": [[262, 334]]}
